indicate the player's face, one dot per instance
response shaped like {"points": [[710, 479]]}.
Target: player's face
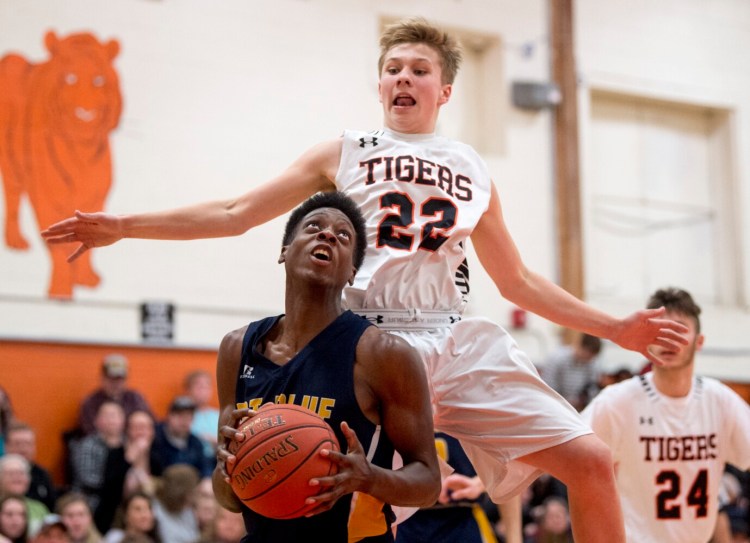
{"points": [[322, 248], [677, 360], [411, 88]]}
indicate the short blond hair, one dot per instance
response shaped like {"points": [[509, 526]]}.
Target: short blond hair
{"points": [[418, 30]]}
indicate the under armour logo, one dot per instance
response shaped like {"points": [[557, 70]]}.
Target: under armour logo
{"points": [[364, 141], [375, 320], [647, 420]]}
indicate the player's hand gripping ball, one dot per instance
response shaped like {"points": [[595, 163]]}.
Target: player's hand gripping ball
{"points": [[277, 459]]}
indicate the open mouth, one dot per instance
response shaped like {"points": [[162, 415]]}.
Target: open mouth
{"points": [[86, 115], [322, 254], [665, 353], [404, 100]]}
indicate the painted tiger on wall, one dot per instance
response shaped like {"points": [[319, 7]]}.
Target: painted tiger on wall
{"points": [[55, 122]]}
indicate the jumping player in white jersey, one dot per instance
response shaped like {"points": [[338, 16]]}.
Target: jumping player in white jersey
{"points": [[671, 433], [423, 197]]}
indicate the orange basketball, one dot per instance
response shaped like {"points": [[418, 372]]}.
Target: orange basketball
{"points": [[278, 458]]}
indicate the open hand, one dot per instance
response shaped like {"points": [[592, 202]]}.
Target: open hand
{"points": [[89, 229], [645, 328]]}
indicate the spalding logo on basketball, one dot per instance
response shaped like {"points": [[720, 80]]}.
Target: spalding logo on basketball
{"points": [[279, 456]]}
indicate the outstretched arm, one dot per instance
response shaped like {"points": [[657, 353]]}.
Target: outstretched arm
{"points": [[312, 172], [499, 256]]}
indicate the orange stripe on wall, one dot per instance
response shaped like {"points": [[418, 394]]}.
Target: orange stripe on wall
{"points": [[47, 381]]}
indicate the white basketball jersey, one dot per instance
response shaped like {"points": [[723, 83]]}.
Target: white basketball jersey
{"points": [[670, 454], [421, 195]]}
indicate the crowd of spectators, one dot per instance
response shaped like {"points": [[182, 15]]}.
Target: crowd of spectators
{"points": [[129, 476]]}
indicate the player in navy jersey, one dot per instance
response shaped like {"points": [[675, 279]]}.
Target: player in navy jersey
{"points": [[369, 385], [424, 197], [671, 433], [458, 515]]}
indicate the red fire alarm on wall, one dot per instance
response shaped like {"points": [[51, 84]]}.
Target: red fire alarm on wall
{"points": [[518, 318]]}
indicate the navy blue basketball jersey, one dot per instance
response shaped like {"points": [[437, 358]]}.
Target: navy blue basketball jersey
{"points": [[319, 377], [463, 521]]}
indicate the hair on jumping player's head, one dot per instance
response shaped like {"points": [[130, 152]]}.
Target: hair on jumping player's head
{"points": [[418, 30]]}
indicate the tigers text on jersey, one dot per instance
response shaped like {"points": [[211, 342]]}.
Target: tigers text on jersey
{"points": [[670, 454], [319, 377], [410, 188]]}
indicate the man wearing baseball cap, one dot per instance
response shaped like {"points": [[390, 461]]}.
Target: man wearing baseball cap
{"points": [[113, 387], [174, 443]]}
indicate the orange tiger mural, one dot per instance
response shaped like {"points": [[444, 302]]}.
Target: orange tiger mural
{"points": [[55, 121]]}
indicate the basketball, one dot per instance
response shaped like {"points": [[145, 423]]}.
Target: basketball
{"points": [[278, 458]]}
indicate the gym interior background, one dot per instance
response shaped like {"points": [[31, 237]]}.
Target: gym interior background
{"points": [[219, 96]]}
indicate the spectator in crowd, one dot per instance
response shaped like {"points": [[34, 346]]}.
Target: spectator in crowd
{"points": [[734, 509], [21, 439], [14, 526], [99, 464], [75, 513], [205, 505], [174, 443], [553, 522], [620, 375], [227, 527], [136, 538], [527, 518], [6, 417], [545, 487], [507, 523], [114, 388], [174, 504], [53, 530], [135, 517], [139, 439], [15, 478], [590, 390], [571, 367], [532, 500], [199, 385]]}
